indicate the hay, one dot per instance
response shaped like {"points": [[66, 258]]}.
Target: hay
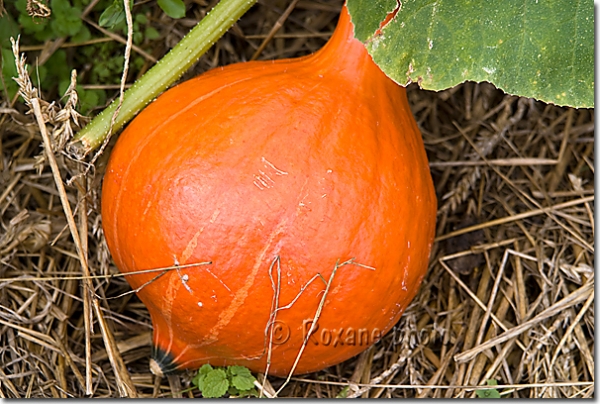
{"points": [[508, 297]]}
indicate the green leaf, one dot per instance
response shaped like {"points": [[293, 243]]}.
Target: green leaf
{"points": [[8, 28], [61, 7], [151, 33], [66, 20], [530, 48], [202, 372], [82, 35], [111, 16], [253, 392], [173, 8], [88, 99], [141, 19], [343, 393], [368, 14], [491, 393], [57, 70], [9, 70], [241, 377], [214, 384]]}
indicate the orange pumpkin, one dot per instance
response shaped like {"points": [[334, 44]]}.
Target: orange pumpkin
{"points": [[275, 172]]}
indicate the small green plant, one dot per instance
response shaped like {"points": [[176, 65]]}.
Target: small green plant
{"points": [[114, 15], [343, 392], [53, 75], [489, 393], [233, 380]]}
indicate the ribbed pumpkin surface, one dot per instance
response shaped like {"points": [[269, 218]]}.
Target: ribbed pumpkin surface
{"points": [[273, 172]]}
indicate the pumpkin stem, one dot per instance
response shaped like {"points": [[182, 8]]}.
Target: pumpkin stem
{"points": [[348, 53]]}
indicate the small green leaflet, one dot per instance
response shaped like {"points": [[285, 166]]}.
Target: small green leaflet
{"points": [[202, 372], [491, 393], [215, 382], [343, 393], [173, 8], [241, 377], [113, 14], [533, 48]]}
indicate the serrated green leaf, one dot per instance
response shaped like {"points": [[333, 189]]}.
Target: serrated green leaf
{"points": [[241, 377], [205, 369], [66, 20], [202, 372], [214, 384], [248, 393], [530, 48], [172, 8], [61, 7]]}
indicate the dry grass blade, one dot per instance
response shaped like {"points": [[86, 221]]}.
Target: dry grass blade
{"points": [[574, 298], [278, 24], [30, 94], [513, 218], [125, 384]]}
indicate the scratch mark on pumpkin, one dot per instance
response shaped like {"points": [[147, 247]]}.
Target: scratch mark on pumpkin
{"points": [[220, 281], [193, 243], [148, 206], [215, 215], [269, 164], [301, 203], [261, 182], [241, 295], [191, 246]]}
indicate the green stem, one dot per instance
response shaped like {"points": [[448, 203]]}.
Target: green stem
{"points": [[163, 74]]}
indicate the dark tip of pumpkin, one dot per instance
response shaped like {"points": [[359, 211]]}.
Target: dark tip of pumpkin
{"points": [[162, 363]]}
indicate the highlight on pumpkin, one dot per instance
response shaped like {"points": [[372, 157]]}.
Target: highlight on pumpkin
{"points": [[304, 182]]}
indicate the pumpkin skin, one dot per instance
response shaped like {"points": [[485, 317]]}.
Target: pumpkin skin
{"points": [[264, 168]]}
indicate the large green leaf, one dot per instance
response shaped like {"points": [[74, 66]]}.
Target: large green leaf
{"points": [[542, 49]]}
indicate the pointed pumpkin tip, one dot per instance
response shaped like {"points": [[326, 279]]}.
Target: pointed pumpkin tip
{"points": [[162, 362], [155, 368]]}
